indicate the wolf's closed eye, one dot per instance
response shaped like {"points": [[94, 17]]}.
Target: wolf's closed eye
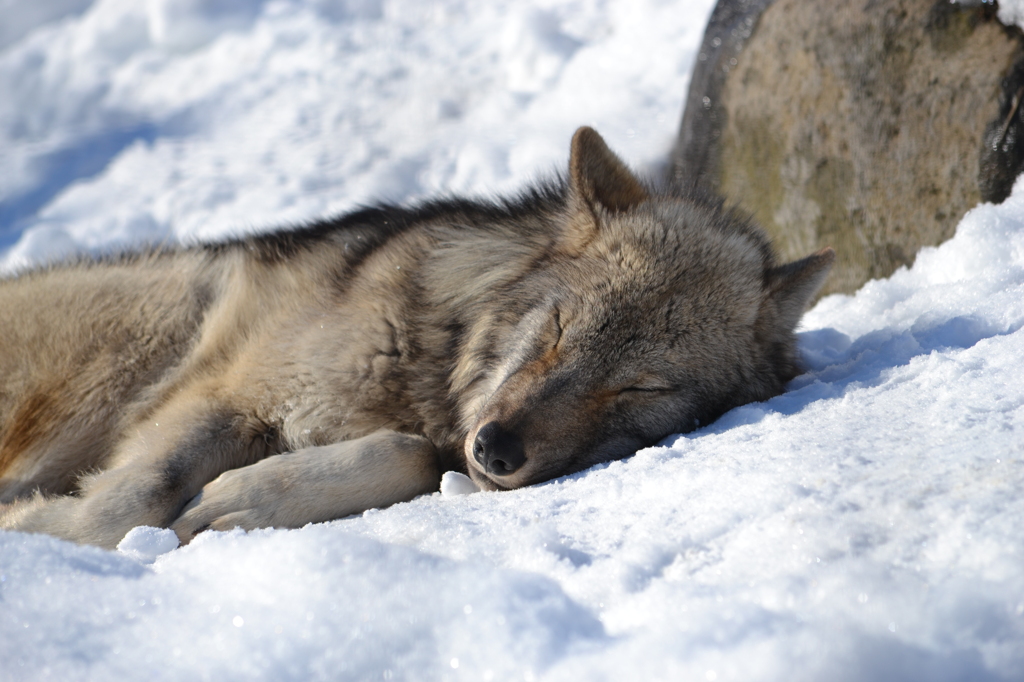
{"points": [[556, 326]]}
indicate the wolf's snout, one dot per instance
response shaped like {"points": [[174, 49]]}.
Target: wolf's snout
{"points": [[498, 451]]}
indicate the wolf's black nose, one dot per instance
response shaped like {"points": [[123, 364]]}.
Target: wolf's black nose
{"points": [[498, 451]]}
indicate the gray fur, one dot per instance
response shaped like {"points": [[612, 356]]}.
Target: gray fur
{"points": [[305, 375]]}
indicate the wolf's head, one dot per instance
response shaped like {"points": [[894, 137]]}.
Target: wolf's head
{"points": [[649, 315]]}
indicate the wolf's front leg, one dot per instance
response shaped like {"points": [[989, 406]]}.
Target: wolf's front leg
{"points": [[315, 484], [152, 476]]}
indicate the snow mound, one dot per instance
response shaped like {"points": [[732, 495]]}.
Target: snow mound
{"points": [[145, 543], [454, 484]]}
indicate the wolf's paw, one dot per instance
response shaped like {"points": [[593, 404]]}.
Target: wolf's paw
{"points": [[239, 498]]}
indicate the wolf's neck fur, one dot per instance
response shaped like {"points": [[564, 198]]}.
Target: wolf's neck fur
{"points": [[438, 316]]}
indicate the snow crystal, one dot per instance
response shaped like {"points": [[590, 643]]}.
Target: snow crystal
{"points": [[454, 484], [145, 543]]}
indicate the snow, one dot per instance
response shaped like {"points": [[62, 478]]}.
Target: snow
{"points": [[865, 525], [453, 483], [1010, 11], [145, 543], [172, 120]]}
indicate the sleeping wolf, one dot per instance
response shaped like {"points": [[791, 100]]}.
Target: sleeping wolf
{"points": [[305, 375]]}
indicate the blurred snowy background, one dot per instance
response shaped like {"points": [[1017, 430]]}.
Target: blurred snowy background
{"points": [[866, 525]]}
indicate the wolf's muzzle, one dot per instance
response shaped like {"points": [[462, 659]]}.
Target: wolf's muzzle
{"points": [[498, 451]]}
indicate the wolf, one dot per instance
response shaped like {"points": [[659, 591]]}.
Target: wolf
{"points": [[308, 374]]}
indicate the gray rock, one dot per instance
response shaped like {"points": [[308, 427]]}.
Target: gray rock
{"points": [[870, 126]]}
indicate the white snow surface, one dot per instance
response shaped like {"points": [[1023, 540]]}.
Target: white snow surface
{"points": [[1010, 11], [866, 525]]}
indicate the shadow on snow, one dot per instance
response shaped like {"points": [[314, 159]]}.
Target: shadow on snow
{"points": [[837, 364], [85, 157]]}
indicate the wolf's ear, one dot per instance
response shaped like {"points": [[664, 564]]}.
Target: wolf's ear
{"points": [[597, 178], [793, 285]]}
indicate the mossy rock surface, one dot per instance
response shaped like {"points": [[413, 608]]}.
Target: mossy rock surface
{"points": [[871, 127]]}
